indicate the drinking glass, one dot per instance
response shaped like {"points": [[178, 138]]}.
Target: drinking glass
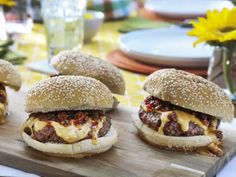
{"points": [[64, 25]]}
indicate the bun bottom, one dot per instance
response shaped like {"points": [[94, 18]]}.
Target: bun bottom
{"points": [[186, 144], [76, 150]]}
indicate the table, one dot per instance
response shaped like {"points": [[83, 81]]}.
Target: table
{"points": [[34, 47]]}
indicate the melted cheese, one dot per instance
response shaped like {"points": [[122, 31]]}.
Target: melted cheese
{"points": [[183, 119], [69, 133], [72, 133], [95, 131], [164, 120], [39, 125]]}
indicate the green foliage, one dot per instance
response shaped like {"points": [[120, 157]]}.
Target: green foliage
{"points": [[9, 55]]}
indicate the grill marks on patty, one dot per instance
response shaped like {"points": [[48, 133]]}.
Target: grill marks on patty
{"points": [[152, 117], [66, 118]]}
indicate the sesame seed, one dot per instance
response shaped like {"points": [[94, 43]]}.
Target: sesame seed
{"points": [[76, 63], [190, 91], [68, 93]]}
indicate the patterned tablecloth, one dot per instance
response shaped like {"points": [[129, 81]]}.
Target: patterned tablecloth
{"points": [[34, 47]]}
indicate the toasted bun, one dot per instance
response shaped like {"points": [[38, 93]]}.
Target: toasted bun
{"points": [[68, 93], [9, 75], [185, 144], [77, 150], [76, 63], [190, 91]]}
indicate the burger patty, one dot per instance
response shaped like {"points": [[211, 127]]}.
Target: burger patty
{"points": [[171, 128], [48, 133], [152, 118]]}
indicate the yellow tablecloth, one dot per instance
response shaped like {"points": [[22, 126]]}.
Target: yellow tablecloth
{"points": [[34, 47]]}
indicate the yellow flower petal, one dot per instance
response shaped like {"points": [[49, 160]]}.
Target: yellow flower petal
{"points": [[7, 2], [217, 26]]}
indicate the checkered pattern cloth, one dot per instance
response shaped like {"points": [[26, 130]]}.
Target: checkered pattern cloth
{"points": [[113, 9]]}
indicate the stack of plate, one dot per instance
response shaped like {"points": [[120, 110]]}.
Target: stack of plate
{"points": [[166, 47], [185, 8]]}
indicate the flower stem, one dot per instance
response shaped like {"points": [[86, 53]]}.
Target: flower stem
{"points": [[227, 59]]}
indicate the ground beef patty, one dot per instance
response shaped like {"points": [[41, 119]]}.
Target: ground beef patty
{"points": [[48, 133], [152, 119], [172, 127]]}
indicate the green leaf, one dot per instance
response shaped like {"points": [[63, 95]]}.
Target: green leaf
{"points": [[14, 57], [6, 43], [3, 51]]}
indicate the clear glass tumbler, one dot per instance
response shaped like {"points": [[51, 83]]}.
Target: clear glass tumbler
{"points": [[64, 25]]}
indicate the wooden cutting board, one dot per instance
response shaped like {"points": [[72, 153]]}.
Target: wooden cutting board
{"points": [[130, 157]]}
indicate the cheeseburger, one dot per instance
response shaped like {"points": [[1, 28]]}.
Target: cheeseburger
{"points": [[75, 63], [183, 112], [9, 76], [67, 117]]}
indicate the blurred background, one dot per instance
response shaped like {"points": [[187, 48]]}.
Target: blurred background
{"points": [[138, 36]]}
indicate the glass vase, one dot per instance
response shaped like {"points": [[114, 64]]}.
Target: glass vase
{"points": [[229, 69]]}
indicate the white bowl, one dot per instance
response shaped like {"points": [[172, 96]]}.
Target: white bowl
{"points": [[92, 25]]}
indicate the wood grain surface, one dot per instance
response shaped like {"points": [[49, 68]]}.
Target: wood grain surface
{"points": [[130, 157]]}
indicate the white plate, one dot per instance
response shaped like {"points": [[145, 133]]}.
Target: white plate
{"points": [[42, 67], [166, 46], [185, 8]]}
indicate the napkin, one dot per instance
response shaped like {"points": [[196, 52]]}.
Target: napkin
{"points": [[140, 23]]}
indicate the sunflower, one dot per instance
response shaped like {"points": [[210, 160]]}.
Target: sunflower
{"points": [[7, 2], [217, 28]]}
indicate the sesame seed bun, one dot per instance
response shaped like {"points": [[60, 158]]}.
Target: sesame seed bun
{"points": [[76, 63], [9, 75], [176, 143], [68, 93], [191, 92], [77, 150]]}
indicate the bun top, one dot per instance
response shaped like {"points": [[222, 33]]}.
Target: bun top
{"points": [[9, 75], [76, 63], [191, 92], [68, 93]]}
